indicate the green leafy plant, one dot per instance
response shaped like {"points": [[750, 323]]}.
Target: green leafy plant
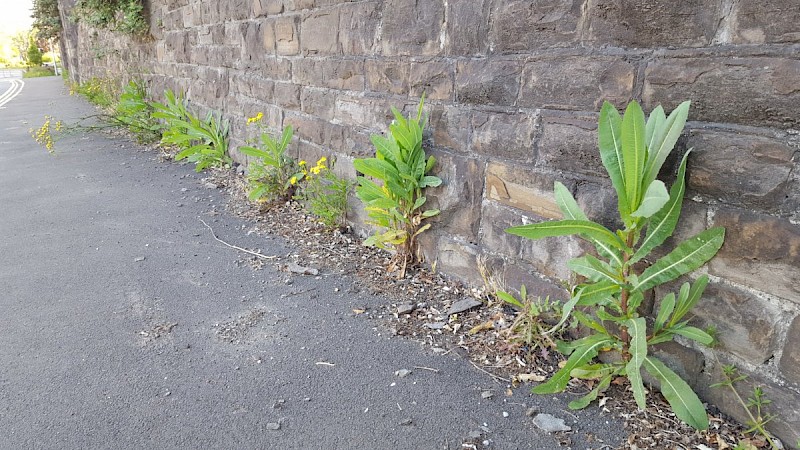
{"points": [[754, 406], [633, 151], [99, 91], [324, 193], [135, 113], [203, 141], [273, 175], [126, 16], [395, 205], [535, 316]]}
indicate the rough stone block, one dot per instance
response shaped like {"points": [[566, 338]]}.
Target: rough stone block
{"points": [[569, 143], [576, 83], [653, 24], [450, 127], [452, 256], [366, 112], [525, 26], [279, 69], [335, 74], [790, 361], [268, 37], [361, 22], [318, 102], [749, 91], [522, 188], [548, 256], [287, 40], [766, 21], [459, 197], [599, 202], [506, 135], [432, 78], [263, 8], [400, 37], [742, 170], [467, 28], [307, 128], [287, 95], [388, 76], [759, 251], [488, 82], [320, 32], [693, 220]]}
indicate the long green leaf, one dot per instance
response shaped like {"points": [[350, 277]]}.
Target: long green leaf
{"points": [[637, 328], [598, 293], [687, 302], [592, 268], [662, 224], [688, 256], [664, 311], [609, 139], [693, 333], [634, 153], [654, 199], [591, 346], [565, 228], [572, 211], [680, 395], [601, 386], [655, 125], [664, 141]]}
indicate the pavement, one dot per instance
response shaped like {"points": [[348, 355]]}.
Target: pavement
{"points": [[124, 324]]}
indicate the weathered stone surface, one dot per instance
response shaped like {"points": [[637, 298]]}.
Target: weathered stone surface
{"points": [[504, 135], [636, 23], [513, 273], [765, 22], [599, 202], [363, 111], [693, 220], [759, 251], [790, 360], [268, 37], [758, 178], [460, 195], [749, 91], [308, 128], [287, 95], [576, 83], [320, 33], [318, 102], [453, 256], [359, 22], [422, 38], [488, 82], [278, 69], [548, 256], [336, 74], [525, 26], [287, 40], [262, 8], [434, 79], [569, 143], [450, 127], [387, 76], [522, 189], [467, 28]]}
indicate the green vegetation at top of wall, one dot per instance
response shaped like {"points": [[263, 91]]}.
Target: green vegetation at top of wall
{"points": [[633, 151], [124, 16], [46, 18]]}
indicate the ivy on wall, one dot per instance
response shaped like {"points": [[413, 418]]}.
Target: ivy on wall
{"points": [[124, 16]]}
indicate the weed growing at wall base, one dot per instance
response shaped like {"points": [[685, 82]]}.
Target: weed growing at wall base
{"points": [[633, 151], [395, 205], [324, 193], [273, 175]]}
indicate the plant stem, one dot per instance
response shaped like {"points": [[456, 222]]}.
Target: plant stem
{"points": [[625, 294]]}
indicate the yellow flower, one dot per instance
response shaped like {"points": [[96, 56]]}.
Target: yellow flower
{"points": [[302, 162], [322, 160], [255, 119], [293, 180]]}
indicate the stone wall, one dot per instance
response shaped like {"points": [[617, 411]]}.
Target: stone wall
{"points": [[513, 88]]}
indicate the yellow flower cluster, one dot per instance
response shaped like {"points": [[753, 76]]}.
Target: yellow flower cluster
{"points": [[43, 135], [255, 119], [316, 170]]}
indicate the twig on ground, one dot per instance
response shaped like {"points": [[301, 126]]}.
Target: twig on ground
{"points": [[235, 246], [496, 378], [427, 368]]}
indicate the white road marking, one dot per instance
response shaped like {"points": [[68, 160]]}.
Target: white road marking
{"points": [[13, 91]]}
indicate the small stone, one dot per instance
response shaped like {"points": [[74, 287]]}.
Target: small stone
{"points": [[210, 185], [406, 422], [273, 426], [550, 423], [435, 325], [298, 269], [139, 258], [278, 403], [505, 414], [474, 434], [402, 373], [463, 305], [487, 394], [405, 308], [531, 412], [184, 189]]}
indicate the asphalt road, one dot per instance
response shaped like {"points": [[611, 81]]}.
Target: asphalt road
{"points": [[117, 312]]}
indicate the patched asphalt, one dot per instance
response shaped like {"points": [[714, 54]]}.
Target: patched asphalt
{"points": [[124, 324]]}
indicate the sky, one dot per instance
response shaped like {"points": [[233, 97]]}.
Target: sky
{"points": [[15, 15]]}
